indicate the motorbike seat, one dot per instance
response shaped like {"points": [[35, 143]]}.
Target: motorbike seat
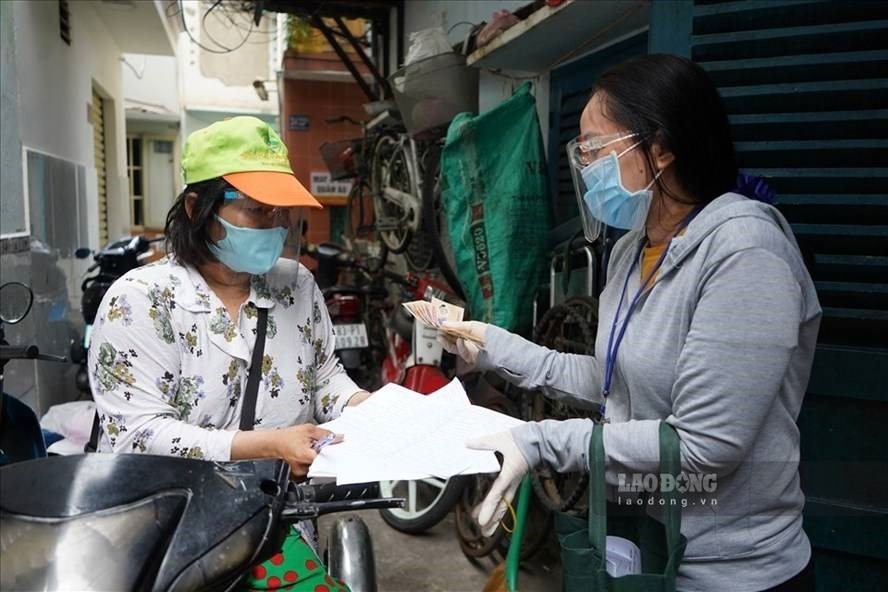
{"points": [[342, 289], [354, 291], [199, 522]]}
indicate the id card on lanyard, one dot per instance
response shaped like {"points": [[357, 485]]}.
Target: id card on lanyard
{"points": [[618, 329]]}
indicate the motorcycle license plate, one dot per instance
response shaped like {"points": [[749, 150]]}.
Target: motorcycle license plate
{"points": [[351, 336]]}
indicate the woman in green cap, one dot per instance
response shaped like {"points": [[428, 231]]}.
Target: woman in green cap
{"points": [[173, 341]]}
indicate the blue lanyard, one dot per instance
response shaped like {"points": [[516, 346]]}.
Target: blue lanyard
{"points": [[616, 337]]}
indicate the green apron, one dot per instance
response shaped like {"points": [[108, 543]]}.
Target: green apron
{"points": [[583, 541]]}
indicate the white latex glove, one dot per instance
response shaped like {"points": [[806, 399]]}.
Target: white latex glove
{"points": [[467, 349], [502, 492]]}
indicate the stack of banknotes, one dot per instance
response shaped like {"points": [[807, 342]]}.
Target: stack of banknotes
{"points": [[435, 312]]}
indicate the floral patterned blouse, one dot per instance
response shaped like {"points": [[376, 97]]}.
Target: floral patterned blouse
{"points": [[168, 364]]}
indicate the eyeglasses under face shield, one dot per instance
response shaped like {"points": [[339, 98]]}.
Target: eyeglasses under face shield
{"points": [[581, 152], [243, 210]]}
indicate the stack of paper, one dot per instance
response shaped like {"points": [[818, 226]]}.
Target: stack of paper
{"points": [[434, 313], [398, 434]]}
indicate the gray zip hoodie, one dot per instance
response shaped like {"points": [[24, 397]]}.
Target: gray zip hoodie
{"points": [[720, 348]]}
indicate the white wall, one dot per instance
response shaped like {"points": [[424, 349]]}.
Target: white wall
{"points": [[151, 79], [46, 109], [55, 86], [12, 208], [493, 88]]}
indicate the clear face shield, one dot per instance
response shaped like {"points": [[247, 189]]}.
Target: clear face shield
{"points": [[254, 228], [582, 151]]}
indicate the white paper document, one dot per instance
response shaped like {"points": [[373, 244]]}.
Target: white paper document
{"points": [[398, 434], [623, 557]]}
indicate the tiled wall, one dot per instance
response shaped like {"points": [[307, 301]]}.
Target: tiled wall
{"points": [[318, 100]]}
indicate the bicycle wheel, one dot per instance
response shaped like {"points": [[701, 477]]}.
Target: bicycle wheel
{"points": [[491, 391], [472, 543], [393, 174], [358, 211], [428, 502], [568, 328], [420, 253], [435, 219], [537, 528]]}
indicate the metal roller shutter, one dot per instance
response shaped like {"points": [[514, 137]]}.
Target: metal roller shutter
{"points": [[806, 86]]}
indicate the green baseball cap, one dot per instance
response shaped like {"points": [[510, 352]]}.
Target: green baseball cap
{"points": [[249, 155]]}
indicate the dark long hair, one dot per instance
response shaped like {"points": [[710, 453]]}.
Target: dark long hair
{"points": [[671, 100], [188, 236]]}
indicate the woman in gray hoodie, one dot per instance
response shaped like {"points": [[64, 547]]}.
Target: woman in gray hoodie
{"points": [[708, 322]]}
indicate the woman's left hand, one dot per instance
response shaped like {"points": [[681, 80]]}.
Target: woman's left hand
{"points": [[501, 493], [296, 446]]}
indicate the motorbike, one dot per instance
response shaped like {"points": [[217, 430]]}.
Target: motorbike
{"points": [[95, 521], [350, 305], [112, 262]]}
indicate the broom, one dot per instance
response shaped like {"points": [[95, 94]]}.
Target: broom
{"points": [[505, 577]]}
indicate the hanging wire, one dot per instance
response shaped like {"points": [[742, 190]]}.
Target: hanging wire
{"points": [[138, 72], [240, 26], [203, 20], [206, 30]]}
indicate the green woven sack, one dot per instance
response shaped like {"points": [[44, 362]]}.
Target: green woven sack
{"points": [[494, 192]]}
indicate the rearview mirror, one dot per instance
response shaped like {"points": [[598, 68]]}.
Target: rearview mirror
{"points": [[15, 302]]}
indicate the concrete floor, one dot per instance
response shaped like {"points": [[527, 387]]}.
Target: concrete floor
{"points": [[433, 561]]}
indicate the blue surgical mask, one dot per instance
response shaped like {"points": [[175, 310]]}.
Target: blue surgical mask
{"points": [[608, 200], [249, 250]]}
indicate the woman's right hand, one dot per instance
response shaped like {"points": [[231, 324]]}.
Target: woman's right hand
{"points": [[469, 345], [295, 445]]}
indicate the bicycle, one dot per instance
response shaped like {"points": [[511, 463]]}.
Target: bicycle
{"points": [[401, 176]]}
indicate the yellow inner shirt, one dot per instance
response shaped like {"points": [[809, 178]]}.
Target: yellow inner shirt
{"points": [[649, 258]]}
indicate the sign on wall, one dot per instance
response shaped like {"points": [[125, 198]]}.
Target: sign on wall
{"points": [[323, 186], [298, 123]]}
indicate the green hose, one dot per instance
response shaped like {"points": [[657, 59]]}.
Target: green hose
{"points": [[513, 558]]}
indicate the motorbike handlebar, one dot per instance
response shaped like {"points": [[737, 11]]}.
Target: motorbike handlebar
{"points": [[311, 501], [16, 352], [27, 352], [137, 245], [343, 258]]}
